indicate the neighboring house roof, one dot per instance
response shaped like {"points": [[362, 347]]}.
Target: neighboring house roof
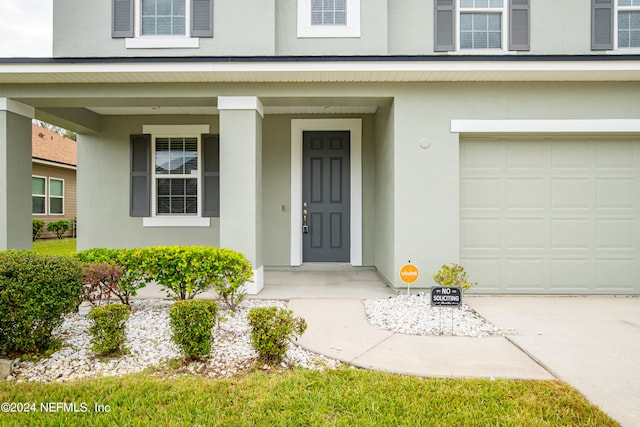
{"points": [[50, 146]]}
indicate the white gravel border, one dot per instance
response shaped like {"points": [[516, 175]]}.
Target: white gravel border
{"points": [[149, 343], [414, 315]]}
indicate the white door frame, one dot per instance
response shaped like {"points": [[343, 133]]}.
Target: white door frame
{"points": [[354, 126]]}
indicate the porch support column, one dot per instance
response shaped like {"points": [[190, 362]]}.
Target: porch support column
{"points": [[241, 180], [15, 174]]}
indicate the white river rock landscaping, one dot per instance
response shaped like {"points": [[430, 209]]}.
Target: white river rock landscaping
{"points": [[414, 315], [149, 339], [149, 343]]}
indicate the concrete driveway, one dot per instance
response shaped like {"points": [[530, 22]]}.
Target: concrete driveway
{"points": [[593, 343]]}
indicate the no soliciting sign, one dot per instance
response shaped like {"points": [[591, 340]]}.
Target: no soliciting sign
{"points": [[446, 296]]}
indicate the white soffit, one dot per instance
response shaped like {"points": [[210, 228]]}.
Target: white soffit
{"points": [[309, 71]]}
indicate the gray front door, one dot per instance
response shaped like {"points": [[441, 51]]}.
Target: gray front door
{"points": [[326, 196]]}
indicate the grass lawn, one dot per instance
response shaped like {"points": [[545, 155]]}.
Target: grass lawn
{"points": [[55, 246], [346, 397]]}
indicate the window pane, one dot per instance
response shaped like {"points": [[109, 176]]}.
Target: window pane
{"points": [[480, 30], [148, 7], [37, 205], [37, 185], [328, 12], [163, 17], [164, 8], [629, 29], [178, 7], [55, 205], [56, 188], [148, 26], [177, 196], [624, 2]]}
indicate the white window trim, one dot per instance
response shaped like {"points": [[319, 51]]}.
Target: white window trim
{"points": [[46, 202], [139, 41], [617, 49], [55, 197], [351, 29], [180, 131], [504, 10], [354, 126]]}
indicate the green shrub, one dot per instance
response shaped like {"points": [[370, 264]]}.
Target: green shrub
{"points": [[59, 227], [186, 271], [271, 329], [99, 281], [192, 323], [35, 292], [38, 226], [453, 275], [132, 277], [107, 329]]}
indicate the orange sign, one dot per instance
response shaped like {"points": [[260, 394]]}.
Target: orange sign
{"points": [[408, 273]]}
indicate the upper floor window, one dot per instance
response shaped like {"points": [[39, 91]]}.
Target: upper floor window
{"points": [[615, 24], [328, 18], [628, 23], [481, 25], [163, 17], [162, 23], [328, 12]]}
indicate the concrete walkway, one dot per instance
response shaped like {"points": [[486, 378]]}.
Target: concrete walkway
{"points": [[593, 343]]}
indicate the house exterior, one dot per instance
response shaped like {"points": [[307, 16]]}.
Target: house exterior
{"points": [[53, 178], [501, 134]]}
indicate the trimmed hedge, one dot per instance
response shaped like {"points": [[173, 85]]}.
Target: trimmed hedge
{"points": [[38, 226], [36, 291], [59, 227], [132, 277], [192, 323], [184, 271], [108, 329], [271, 329]]}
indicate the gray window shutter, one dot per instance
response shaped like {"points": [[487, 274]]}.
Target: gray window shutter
{"points": [[602, 24], [445, 27], [140, 191], [519, 25], [201, 18], [211, 176], [121, 18]]}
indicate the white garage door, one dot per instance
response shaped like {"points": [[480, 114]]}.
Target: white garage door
{"points": [[551, 215]]}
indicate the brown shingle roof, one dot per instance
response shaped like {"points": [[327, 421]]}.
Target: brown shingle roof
{"points": [[51, 146]]}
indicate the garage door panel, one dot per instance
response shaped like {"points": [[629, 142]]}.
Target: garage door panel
{"points": [[525, 193], [481, 233], [525, 273], [616, 274], [571, 233], [525, 234], [616, 155], [485, 271], [615, 234], [570, 193], [615, 193], [486, 155], [571, 274], [570, 155], [551, 215], [527, 155], [481, 193]]}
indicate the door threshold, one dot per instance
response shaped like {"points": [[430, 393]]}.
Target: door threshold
{"points": [[321, 266]]}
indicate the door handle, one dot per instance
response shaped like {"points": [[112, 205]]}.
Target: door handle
{"points": [[305, 225]]}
